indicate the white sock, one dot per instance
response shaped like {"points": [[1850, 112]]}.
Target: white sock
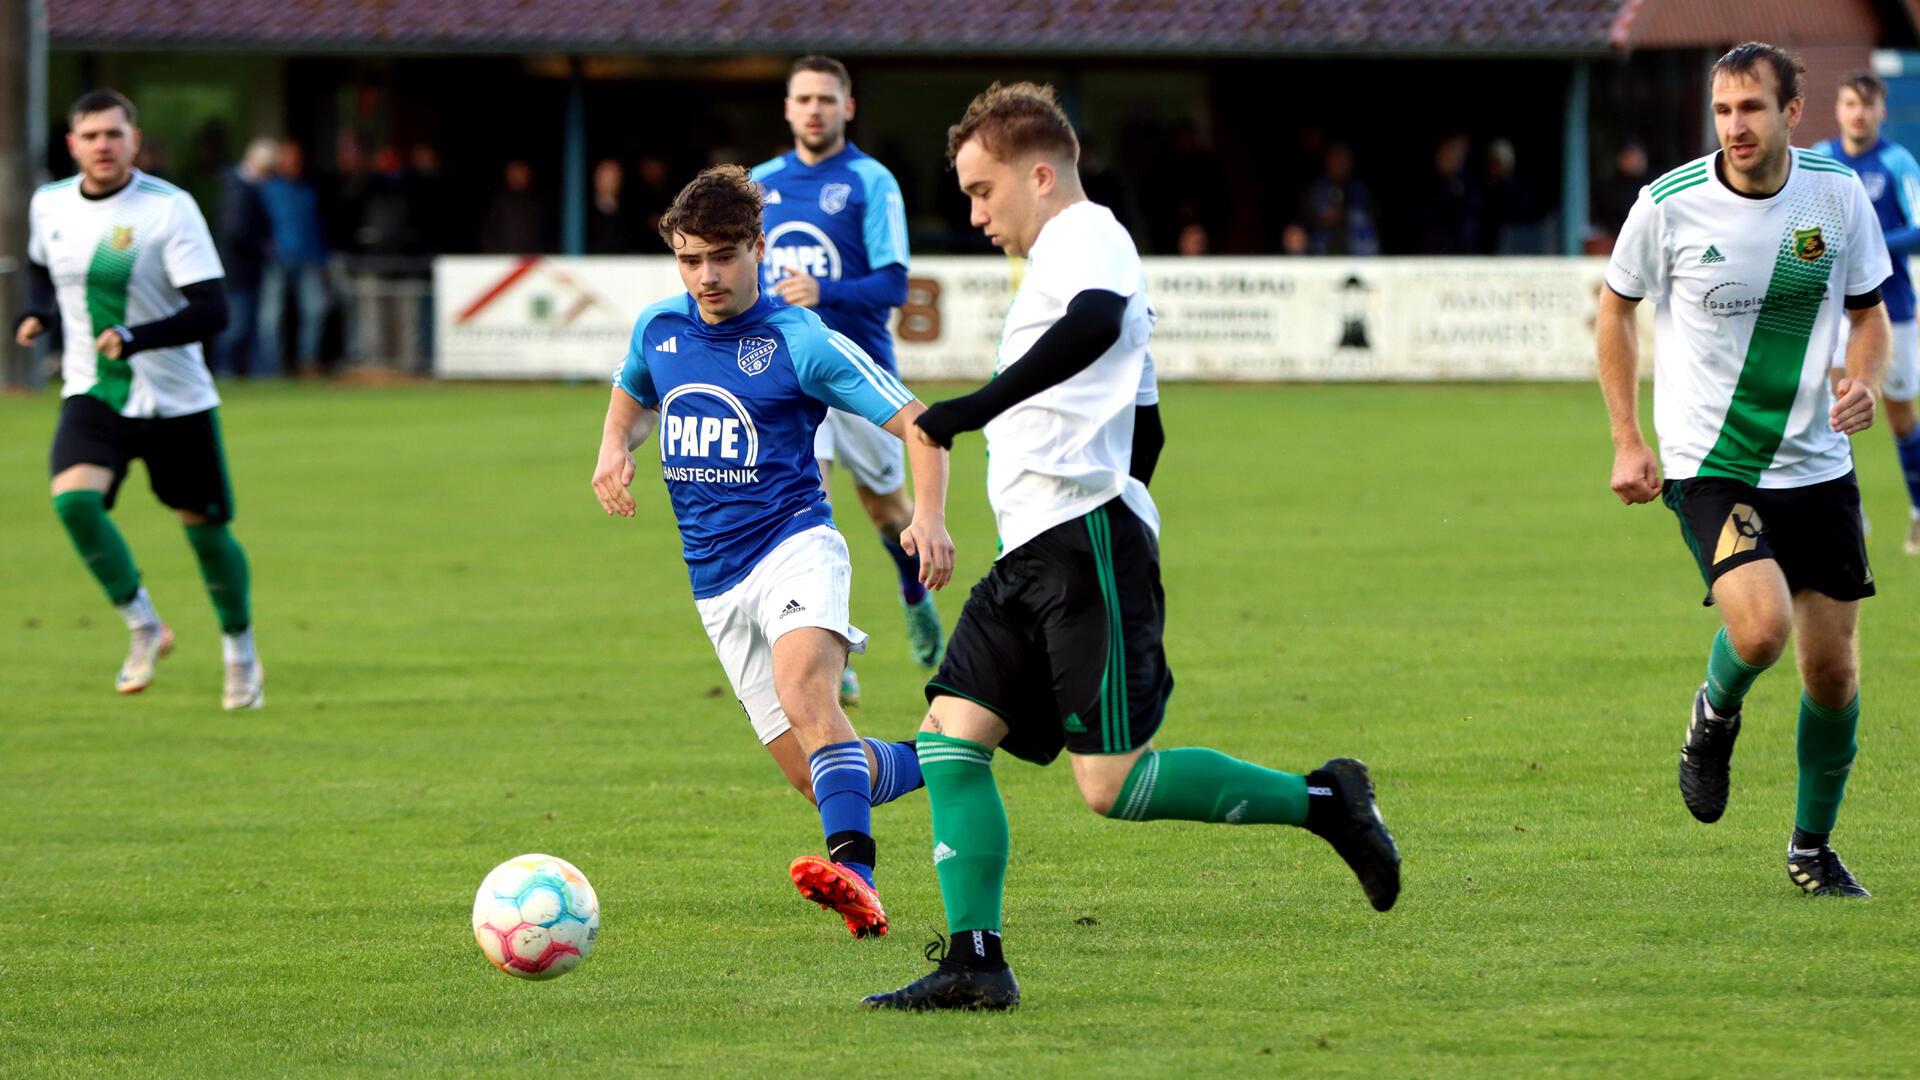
{"points": [[238, 648], [139, 612]]}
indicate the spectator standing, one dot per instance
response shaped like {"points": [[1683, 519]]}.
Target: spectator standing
{"points": [[654, 194], [1510, 208], [1450, 210], [609, 223], [388, 218], [1185, 185], [429, 194], [516, 222], [244, 234], [1620, 191], [1339, 209], [298, 265]]}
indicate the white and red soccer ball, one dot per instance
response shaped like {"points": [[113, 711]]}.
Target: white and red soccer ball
{"points": [[536, 917]]}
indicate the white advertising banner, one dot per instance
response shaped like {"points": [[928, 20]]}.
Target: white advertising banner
{"points": [[1260, 319], [504, 317]]}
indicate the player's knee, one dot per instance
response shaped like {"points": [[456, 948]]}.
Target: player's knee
{"points": [[1100, 796], [1761, 640], [1831, 680], [813, 721]]}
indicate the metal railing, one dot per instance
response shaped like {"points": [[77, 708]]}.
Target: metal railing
{"points": [[386, 312]]}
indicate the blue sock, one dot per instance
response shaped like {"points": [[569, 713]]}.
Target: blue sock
{"points": [[907, 566], [841, 787], [896, 772], [1909, 448]]}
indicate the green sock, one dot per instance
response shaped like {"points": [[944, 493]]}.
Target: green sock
{"points": [[1826, 747], [1198, 784], [223, 566], [969, 830], [84, 513], [1728, 676]]}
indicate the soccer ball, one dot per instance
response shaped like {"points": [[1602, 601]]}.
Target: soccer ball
{"points": [[536, 917]]}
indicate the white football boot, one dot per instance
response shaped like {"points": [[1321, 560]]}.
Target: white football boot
{"points": [[246, 685], [145, 648]]}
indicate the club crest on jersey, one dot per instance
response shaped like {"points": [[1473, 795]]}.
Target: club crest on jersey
{"points": [[1808, 244], [121, 238], [833, 197], [756, 354]]}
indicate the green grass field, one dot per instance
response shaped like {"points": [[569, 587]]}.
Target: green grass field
{"points": [[467, 660]]}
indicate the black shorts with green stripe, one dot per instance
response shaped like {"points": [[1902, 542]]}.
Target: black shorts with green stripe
{"points": [[1062, 640], [1813, 532], [186, 462]]}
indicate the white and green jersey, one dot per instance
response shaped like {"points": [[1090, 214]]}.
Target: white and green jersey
{"points": [[1750, 295], [120, 261], [1067, 450]]}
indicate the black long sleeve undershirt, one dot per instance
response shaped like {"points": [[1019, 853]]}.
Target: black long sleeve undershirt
{"points": [[204, 316], [42, 303], [1148, 438], [1087, 329]]}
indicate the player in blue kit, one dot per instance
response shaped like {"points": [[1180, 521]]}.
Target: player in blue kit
{"points": [[1892, 179], [837, 243], [736, 385]]}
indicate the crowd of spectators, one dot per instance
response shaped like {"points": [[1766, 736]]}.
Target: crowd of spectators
{"points": [[279, 227]]}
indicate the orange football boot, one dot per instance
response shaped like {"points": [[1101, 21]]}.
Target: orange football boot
{"points": [[833, 886]]}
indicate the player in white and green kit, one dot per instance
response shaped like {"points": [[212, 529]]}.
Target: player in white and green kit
{"points": [[121, 262], [1756, 257]]}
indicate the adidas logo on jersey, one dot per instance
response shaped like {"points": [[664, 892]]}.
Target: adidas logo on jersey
{"points": [[1712, 256], [671, 345], [793, 608]]}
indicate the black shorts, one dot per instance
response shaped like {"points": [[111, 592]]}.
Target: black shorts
{"points": [[1813, 532], [186, 464], [1062, 640]]}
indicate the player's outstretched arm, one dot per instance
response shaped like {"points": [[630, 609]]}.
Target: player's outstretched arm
{"points": [[1081, 335], [628, 425], [927, 535], [1636, 474], [1869, 344]]}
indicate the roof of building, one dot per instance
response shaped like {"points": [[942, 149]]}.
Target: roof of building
{"points": [[1032, 27]]}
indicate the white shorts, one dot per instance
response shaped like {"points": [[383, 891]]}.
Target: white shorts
{"points": [[876, 459], [1903, 371], [804, 581]]}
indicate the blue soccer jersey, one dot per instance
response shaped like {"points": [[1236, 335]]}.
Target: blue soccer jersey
{"points": [[840, 221], [1892, 179], [739, 402]]}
